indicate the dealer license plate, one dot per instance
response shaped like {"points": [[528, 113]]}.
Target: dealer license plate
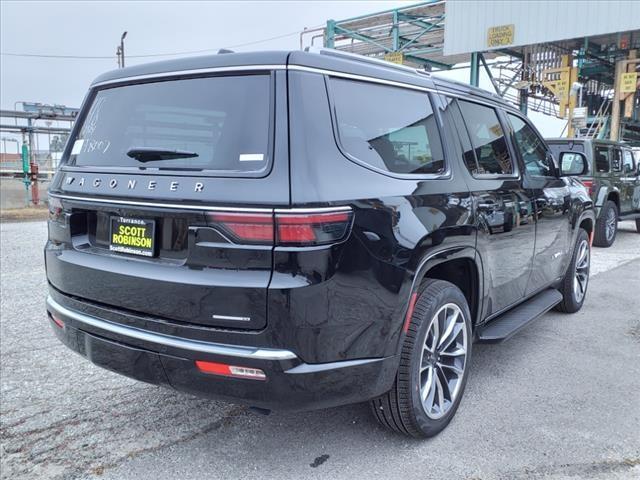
{"points": [[132, 235]]}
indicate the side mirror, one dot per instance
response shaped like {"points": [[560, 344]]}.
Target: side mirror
{"points": [[573, 164]]}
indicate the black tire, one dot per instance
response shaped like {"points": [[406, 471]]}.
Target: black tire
{"points": [[571, 300], [638, 225], [601, 238], [401, 409]]}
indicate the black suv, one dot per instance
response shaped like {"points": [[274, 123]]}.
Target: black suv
{"points": [[296, 230], [613, 180]]}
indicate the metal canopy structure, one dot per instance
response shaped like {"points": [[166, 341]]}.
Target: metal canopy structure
{"points": [[414, 32], [49, 123]]}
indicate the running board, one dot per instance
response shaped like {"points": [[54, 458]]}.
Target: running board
{"points": [[512, 321], [628, 216]]}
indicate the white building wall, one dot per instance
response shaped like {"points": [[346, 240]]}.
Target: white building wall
{"points": [[467, 22]]}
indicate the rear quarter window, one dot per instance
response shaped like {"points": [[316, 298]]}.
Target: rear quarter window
{"points": [[487, 138], [388, 128], [601, 159], [223, 123]]}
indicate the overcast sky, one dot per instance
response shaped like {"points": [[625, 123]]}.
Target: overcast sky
{"points": [[76, 28]]}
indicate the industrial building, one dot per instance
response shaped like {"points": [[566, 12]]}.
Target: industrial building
{"points": [[574, 60]]}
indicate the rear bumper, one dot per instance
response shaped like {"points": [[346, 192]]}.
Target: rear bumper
{"points": [[170, 360]]}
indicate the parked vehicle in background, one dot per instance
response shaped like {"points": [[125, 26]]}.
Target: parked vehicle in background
{"points": [[613, 181], [294, 230], [636, 191]]}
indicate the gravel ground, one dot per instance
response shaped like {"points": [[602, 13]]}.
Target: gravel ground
{"points": [[561, 400]]}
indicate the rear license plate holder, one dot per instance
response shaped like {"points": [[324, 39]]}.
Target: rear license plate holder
{"points": [[135, 236]]}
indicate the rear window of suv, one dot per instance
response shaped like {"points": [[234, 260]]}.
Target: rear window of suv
{"points": [[392, 129], [216, 124], [601, 158]]}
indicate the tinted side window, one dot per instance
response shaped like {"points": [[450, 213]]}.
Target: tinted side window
{"points": [[616, 161], [602, 159], [487, 138], [532, 149], [628, 165], [392, 129], [468, 154]]}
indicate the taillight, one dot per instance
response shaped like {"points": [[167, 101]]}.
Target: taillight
{"points": [[245, 227], [55, 208], [312, 228], [56, 320], [286, 227], [589, 185], [230, 370]]}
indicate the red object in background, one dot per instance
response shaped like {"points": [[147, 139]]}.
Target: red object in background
{"points": [[35, 194], [589, 185], [624, 42]]}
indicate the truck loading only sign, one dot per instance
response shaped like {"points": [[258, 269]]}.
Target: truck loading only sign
{"points": [[500, 36]]}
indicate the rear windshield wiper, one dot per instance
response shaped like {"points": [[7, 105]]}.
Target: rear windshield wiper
{"points": [[150, 154]]}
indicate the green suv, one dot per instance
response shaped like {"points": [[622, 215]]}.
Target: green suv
{"points": [[612, 179]]}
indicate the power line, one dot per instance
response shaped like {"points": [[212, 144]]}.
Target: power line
{"points": [[148, 55]]}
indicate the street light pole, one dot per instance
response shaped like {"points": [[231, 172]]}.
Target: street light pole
{"points": [[124, 35]]}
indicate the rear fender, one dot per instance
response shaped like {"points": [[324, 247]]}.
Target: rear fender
{"points": [[433, 259]]}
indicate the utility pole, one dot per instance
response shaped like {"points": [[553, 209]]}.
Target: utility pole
{"points": [[120, 51]]}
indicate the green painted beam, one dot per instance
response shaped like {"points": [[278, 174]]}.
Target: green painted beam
{"points": [[419, 35], [489, 74], [421, 23], [359, 36], [474, 73], [422, 51], [395, 32], [330, 34]]}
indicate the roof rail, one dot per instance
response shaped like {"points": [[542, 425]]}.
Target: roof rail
{"points": [[363, 59]]}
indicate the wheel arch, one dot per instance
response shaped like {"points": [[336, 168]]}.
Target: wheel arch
{"points": [[460, 266], [614, 196], [587, 224]]}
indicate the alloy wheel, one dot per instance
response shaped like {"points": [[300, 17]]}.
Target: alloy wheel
{"points": [[581, 277], [610, 224], [443, 361]]}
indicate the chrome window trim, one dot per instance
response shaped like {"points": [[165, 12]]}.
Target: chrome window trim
{"points": [[200, 207], [239, 351], [364, 78], [476, 99], [180, 73], [446, 174]]}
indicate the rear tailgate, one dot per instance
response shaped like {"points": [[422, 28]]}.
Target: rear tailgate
{"points": [[146, 234]]}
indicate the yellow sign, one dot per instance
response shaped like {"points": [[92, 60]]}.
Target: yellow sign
{"points": [[394, 57], [500, 36], [559, 86], [558, 80], [628, 82]]}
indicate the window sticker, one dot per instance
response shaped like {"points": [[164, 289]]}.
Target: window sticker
{"points": [[77, 147], [251, 157]]}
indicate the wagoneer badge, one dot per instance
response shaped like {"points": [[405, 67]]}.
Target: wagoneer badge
{"points": [[131, 184]]}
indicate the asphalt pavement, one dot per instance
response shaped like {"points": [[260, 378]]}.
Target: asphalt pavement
{"points": [[561, 400]]}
